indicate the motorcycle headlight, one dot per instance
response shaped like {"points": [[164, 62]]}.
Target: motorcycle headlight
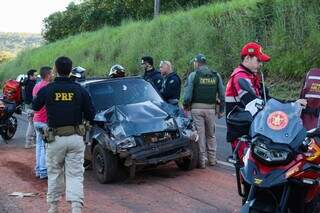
{"points": [[272, 156], [126, 143]]}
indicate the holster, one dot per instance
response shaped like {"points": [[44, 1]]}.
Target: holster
{"points": [[50, 133], [47, 135]]}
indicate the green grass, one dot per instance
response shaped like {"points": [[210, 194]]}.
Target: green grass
{"points": [[288, 29]]}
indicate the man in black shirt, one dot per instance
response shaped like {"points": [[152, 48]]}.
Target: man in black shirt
{"points": [[150, 73], [67, 104], [29, 84]]}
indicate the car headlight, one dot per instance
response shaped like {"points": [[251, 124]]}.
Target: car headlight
{"points": [[192, 135], [170, 123], [261, 151], [126, 143]]}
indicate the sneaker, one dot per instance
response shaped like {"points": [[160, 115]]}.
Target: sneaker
{"points": [[76, 207], [29, 146], [202, 165], [213, 163], [43, 177], [53, 207]]}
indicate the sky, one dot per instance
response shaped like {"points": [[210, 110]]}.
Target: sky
{"points": [[27, 15]]}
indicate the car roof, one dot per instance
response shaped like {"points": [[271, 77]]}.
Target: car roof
{"points": [[105, 79]]}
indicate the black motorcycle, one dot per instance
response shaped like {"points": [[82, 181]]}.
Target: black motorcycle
{"points": [[8, 122]]}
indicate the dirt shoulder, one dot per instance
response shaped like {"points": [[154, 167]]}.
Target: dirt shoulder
{"points": [[163, 189]]}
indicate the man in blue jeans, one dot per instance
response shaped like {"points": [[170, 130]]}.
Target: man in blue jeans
{"points": [[40, 122]]}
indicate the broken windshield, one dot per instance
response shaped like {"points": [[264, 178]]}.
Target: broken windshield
{"points": [[106, 94]]}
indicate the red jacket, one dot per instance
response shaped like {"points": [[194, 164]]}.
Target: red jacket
{"points": [[236, 96]]}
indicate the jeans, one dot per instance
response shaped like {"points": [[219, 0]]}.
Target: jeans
{"points": [[41, 168]]}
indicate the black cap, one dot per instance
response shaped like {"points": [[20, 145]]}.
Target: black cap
{"points": [[200, 58], [147, 59], [31, 72]]}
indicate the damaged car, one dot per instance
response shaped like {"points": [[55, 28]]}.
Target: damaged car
{"points": [[135, 128]]}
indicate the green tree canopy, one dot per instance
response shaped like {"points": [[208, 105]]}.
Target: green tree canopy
{"points": [[91, 15]]}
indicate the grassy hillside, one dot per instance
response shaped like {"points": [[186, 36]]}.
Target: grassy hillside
{"points": [[289, 30]]}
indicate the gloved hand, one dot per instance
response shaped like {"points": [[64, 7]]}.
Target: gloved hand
{"points": [[220, 114], [186, 107], [302, 102]]}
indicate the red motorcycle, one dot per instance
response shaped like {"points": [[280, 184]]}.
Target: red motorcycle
{"points": [[279, 170]]}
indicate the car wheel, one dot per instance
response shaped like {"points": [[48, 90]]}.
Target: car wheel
{"points": [[191, 162], [105, 164], [10, 129]]}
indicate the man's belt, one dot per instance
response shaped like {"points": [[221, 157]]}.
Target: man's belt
{"points": [[48, 134], [70, 130], [311, 111]]}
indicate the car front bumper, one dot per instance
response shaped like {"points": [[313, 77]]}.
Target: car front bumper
{"points": [[157, 153]]}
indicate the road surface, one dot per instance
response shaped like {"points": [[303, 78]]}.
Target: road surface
{"points": [[164, 189]]}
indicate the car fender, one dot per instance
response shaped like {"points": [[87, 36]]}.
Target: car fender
{"points": [[101, 137]]}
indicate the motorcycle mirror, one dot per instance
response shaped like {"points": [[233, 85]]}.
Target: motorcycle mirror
{"points": [[244, 84]]}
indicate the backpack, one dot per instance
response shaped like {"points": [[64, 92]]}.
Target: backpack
{"points": [[12, 91]]}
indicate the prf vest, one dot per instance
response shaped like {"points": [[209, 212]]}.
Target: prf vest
{"points": [[205, 86]]}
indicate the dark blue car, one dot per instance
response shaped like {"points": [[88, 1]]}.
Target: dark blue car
{"points": [[134, 127]]}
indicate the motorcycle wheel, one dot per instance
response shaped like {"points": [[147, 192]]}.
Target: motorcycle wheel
{"points": [[10, 129]]}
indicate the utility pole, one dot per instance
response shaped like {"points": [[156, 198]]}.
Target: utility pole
{"points": [[156, 8]]}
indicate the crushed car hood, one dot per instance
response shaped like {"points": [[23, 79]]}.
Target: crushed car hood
{"points": [[137, 119]]}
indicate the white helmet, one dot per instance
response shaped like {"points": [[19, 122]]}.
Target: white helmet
{"points": [[78, 73], [117, 71]]}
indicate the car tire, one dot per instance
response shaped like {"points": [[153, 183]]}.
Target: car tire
{"points": [[191, 162], [105, 165]]}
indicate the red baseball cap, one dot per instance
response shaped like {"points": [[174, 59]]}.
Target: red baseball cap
{"points": [[254, 49]]}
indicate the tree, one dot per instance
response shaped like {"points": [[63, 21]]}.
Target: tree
{"points": [[91, 15]]}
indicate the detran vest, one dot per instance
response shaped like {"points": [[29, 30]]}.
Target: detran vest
{"points": [[205, 86]]}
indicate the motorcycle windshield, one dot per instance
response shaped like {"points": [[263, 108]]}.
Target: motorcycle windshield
{"points": [[278, 121]]}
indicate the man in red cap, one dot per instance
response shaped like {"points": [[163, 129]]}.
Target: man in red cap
{"points": [[252, 59]]}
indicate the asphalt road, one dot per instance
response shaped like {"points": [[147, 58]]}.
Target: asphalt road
{"points": [[224, 148]]}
